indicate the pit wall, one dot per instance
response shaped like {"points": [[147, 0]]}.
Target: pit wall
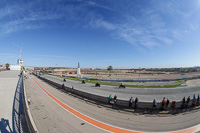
{"points": [[103, 99]]}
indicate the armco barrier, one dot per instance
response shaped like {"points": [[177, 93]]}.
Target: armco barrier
{"points": [[103, 99], [30, 122]]}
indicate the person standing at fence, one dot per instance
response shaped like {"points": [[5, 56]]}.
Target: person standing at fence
{"points": [[194, 97], [109, 98], [188, 101], [63, 86], [163, 102], [154, 103], [183, 103], [198, 99], [136, 102], [194, 100], [115, 100], [130, 102], [167, 103]]}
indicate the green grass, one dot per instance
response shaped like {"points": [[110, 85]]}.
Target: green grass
{"points": [[109, 83]]}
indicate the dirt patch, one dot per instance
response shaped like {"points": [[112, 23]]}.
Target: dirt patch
{"points": [[194, 81], [155, 83]]}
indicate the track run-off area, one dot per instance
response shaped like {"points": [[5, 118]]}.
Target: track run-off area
{"points": [[56, 111]]}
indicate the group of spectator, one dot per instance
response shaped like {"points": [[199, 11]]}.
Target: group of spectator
{"points": [[195, 101], [164, 103], [130, 101]]}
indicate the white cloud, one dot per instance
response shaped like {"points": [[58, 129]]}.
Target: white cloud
{"points": [[147, 27], [6, 11], [8, 56], [22, 16], [53, 56], [135, 31]]}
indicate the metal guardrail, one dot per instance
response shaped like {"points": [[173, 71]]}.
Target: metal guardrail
{"points": [[30, 122]]}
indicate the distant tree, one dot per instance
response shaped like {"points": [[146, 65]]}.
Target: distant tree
{"points": [[109, 68], [7, 65]]}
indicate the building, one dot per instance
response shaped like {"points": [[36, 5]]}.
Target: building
{"points": [[15, 67], [20, 64]]}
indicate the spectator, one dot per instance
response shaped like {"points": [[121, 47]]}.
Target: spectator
{"points": [[167, 103], [163, 101], [115, 100], [188, 100], [136, 102], [109, 98], [198, 99], [194, 100], [183, 103], [194, 97], [154, 103], [63, 86], [130, 102]]}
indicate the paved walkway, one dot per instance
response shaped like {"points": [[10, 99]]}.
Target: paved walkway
{"points": [[8, 84]]}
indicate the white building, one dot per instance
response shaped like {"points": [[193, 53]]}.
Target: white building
{"points": [[20, 63], [15, 67]]}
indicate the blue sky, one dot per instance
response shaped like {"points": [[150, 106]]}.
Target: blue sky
{"points": [[99, 33]]}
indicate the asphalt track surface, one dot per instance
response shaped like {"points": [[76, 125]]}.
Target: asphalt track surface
{"points": [[53, 115], [143, 94]]}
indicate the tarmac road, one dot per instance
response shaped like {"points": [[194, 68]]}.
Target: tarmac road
{"points": [[50, 117], [144, 94]]}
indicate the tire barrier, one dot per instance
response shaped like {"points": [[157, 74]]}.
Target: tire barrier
{"points": [[122, 103]]}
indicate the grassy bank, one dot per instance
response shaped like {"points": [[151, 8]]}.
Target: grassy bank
{"points": [[109, 83]]}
